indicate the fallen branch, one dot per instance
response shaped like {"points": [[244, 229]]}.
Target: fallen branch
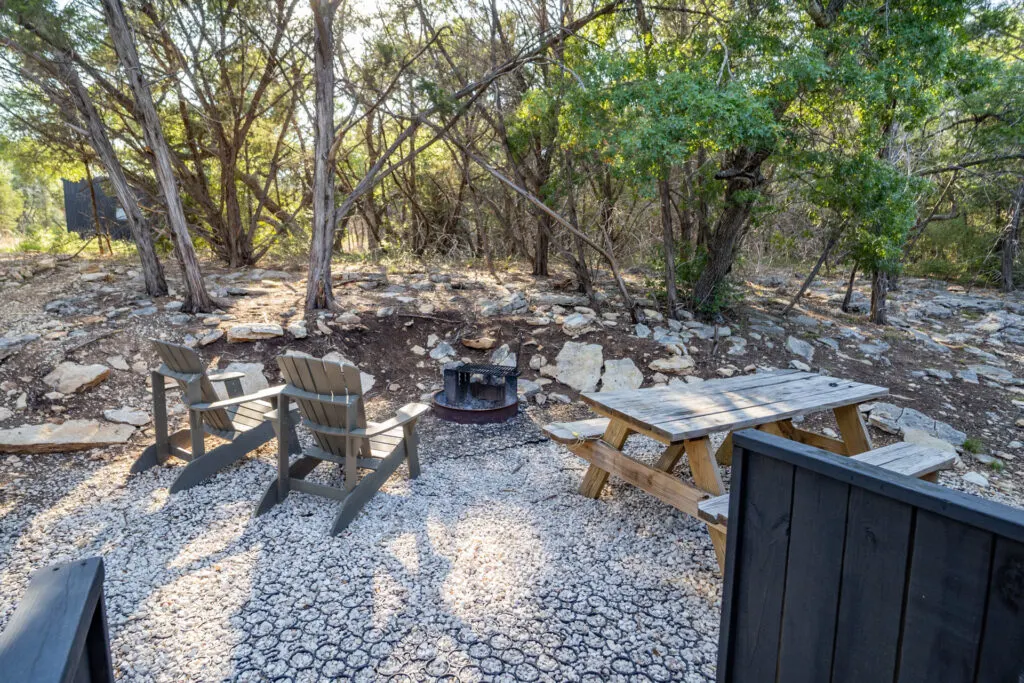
{"points": [[80, 345]]}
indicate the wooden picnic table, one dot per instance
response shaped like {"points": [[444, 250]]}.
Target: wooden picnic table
{"points": [[683, 419]]}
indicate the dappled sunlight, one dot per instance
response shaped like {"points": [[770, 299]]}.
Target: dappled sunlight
{"points": [[213, 540], [491, 554], [205, 637]]}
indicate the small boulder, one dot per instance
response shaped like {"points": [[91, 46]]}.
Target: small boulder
{"points": [[579, 365], [69, 377], [622, 374], [800, 348], [298, 329], [674, 365], [128, 416], [442, 350], [250, 332], [482, 343], [73, 435]]}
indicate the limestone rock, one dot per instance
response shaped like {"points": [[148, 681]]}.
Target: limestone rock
{"points": [[537, 361], [128, 416], [578, 323], [253, 380], [482, 343], [298, 329], [442, 350], [503, 356], [579, 365], [993, 374], [118, 363], [896, 420], [976, 479], [254, 332], [73, 435], [675, 365], [621, 374], [800, 348], [69, 377]]}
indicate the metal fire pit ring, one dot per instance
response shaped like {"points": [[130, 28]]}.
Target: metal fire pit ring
{"points": [[474, 416]]}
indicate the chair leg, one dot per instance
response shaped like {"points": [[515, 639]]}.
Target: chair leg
{"points": [[200, 469], [298, 470], [157, 453], [368, 486], [412, 443], [151, 457], [195, 426]]}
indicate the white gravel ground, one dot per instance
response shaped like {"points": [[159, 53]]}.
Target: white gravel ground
{"points": [[490, 566]]}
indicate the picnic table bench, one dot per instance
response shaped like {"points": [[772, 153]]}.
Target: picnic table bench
{"points": [[683, 419]]}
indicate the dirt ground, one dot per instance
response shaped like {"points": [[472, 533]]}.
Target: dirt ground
{"points": [[105, 314]]}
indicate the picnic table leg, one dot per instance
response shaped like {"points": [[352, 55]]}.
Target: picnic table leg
{"points": [[707, 478], [668, 459], [595, 478], [853, 430], [723, 456]]}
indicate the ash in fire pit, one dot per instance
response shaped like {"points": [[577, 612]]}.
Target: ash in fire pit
{"points": [[475, 394]]}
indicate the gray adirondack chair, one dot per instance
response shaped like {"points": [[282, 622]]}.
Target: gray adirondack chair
{"points": [[330, 401], [241, 419]]}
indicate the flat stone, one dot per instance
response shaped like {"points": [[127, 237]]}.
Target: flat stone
{"points": [[620, 375], [69, 377], [799, 365], [442, 350], [896, 420], [348, 318], [253, 381], [579, 365], [994, 374], [128, 416], [675, 365], [578, 323], [976, 479], [298, 329], [73, 435], [503, 356], [800, 348], [642, 331], [250, 332], [483, 343]]}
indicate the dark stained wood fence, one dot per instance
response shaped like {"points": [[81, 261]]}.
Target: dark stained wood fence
{"points": [[839, 571], [58, 633]]}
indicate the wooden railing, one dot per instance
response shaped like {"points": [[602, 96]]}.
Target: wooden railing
{"points": [[58, 633], [840, 571]]}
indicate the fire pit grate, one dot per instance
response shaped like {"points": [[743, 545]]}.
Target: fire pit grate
{"points": [[478, 393]]}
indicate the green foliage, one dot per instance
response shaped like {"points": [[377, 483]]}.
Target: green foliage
{"points": [[690, 262], [973, 445], [11, 203]]}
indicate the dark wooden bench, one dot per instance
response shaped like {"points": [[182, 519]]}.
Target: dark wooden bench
{"points": [[910, 460], [842, 571], [58, 633]]}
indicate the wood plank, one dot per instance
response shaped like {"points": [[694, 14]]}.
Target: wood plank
{"points": [[714, 510], [947, 592], [813, 573], [852, 428], [571, 432], [874, 564], [723, 456], [760, 414], [763, 515], [707, 478], [1002, 646], [653, 406], [711, 386], [910, 460], [662, 486], [594, 480]]}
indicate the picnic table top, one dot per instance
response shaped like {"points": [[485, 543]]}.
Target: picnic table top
{"points": [[679, 414]]}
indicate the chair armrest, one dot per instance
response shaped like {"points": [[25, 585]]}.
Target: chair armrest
{"points": [[271, 392], [225, 376], [406, 414]]}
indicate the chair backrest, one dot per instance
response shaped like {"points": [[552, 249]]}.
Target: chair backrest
{"points": [[839, 571], [333, 379], [185, 361]]}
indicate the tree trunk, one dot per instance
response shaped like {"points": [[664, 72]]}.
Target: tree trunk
{"points": [[152, 271], [542, 245], [745, 180], [668, 241], [849, 289], [196, 297], [97, 228], [879, 292], [1010, 241], [319, 291]]}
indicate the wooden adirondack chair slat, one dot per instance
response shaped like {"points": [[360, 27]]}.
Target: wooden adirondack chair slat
{"points": [[346, 444]]}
